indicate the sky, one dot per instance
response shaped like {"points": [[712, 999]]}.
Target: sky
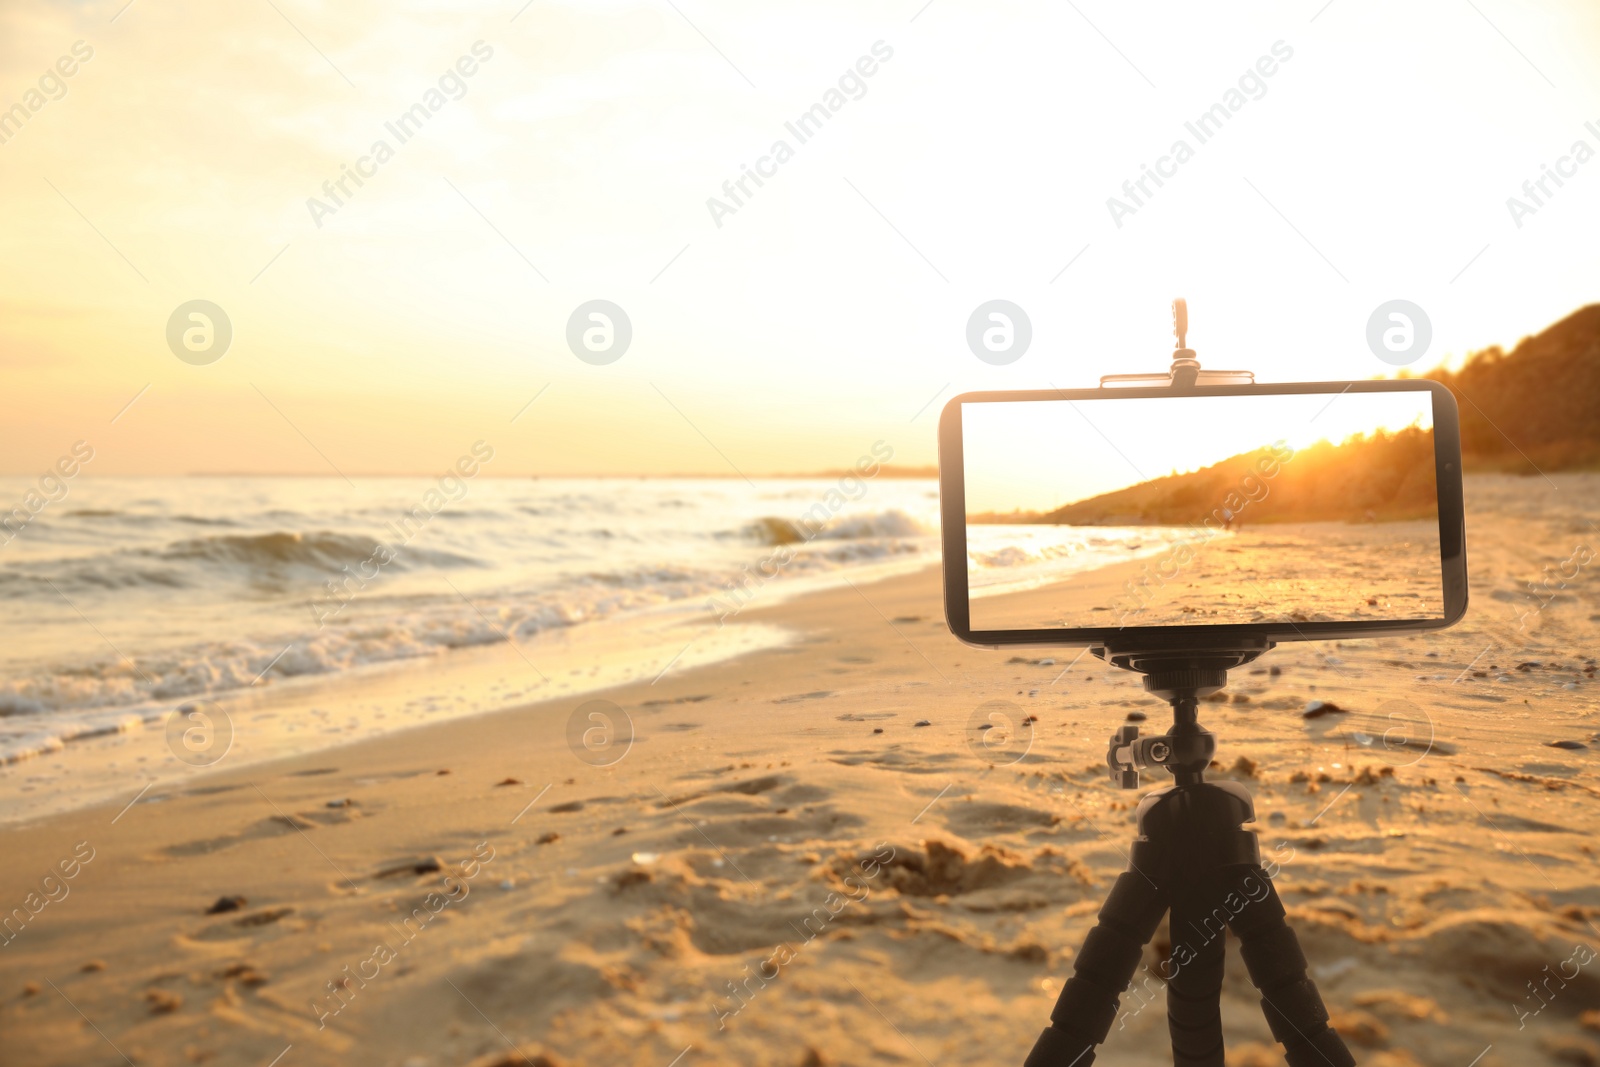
{"points": [[824, 310], [1038, 455]]}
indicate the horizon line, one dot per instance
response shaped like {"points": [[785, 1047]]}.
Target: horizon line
{"points": [[925, 471]]}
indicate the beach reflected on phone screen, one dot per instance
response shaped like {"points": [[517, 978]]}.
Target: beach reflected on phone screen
{"points": [[1202, 510]]}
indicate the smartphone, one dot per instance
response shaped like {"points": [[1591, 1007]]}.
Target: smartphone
{"points": [[1299, 512]]}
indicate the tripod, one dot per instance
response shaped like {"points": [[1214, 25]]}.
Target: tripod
{"points": [[1192, 858]]}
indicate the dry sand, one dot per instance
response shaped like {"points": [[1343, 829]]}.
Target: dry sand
{"points": [[909, 901]]}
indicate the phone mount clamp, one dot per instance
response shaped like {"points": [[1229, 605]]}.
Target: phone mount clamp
{"points": [[1181, 677], [1185, 372], [1192, 857]]}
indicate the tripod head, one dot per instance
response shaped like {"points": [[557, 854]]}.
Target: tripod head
{"points": [[1181, 676], [1185, 372]]}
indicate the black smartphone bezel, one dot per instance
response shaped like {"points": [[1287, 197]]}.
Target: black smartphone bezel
{"points": [[1452, 523]]}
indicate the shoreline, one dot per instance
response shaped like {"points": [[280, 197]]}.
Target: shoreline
{"points": [[617, 652], [313, 706]]}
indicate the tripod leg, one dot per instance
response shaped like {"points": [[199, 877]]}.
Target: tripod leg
{"points": [[1194, 987], [1289, 998], [1088, 1002]]}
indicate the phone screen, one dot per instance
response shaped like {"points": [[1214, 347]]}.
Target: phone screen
{"points": [[1279, 510]]}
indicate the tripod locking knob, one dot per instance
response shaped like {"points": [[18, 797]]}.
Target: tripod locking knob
{"points": [[1128, 753], [1120, 758]]}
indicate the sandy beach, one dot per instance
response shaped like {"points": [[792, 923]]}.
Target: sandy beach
{"points": [[1283, 572], [808, 855]]}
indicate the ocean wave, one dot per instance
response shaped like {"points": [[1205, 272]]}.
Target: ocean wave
{"points": [[323, 550], [409, 627], [384, 632], [40, 739], [1051, 544], [843, 553], [15, 704], [1010, 556], [220, 667], [138, 518], [245, 557], [1018, 556], [773, 530], [891, 523], [87, 575]]}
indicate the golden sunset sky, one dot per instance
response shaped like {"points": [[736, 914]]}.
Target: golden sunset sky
{"points": [[830, 309], [1039, 455]]}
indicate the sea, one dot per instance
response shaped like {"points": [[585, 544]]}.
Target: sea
{"points": [[130, 598]]}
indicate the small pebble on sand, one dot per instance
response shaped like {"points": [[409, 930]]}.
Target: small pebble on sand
{"points": [[163, 1001]]}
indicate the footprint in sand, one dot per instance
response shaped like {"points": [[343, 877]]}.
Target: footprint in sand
{"points": [[272, 826], [981, 819], [904, 762], [796, 698], [696, 699]]}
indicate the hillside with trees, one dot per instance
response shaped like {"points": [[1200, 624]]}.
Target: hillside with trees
{"points": [[1535, 407], [1378, 477]]}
